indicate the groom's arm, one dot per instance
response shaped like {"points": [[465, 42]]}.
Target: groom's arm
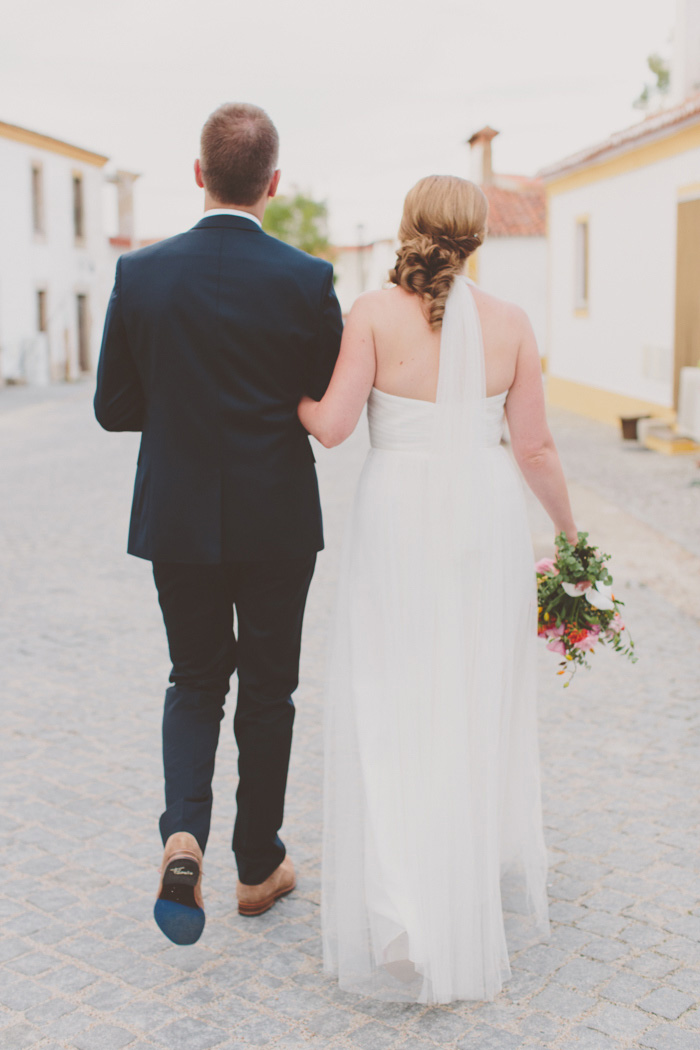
{"points": [[119, 398], [330, 332]]}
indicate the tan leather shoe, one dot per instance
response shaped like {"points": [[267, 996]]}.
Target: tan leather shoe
{"points": [[254, 900], [184, 845], [179, 907]]}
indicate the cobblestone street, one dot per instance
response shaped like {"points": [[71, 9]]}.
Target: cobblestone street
{"points": [[83, 668]]}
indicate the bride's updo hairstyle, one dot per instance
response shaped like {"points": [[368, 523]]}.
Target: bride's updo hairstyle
{"points": [[444, 221]]}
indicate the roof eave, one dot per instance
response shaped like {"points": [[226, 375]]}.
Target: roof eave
{"points": [[39, 141], [598, 155]]}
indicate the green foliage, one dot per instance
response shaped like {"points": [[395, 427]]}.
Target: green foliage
{"points": [[575, 615], [661, 69], [301, 221], [580, 561]]}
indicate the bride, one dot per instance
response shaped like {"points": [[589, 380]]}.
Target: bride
{"points": [[434, 862]]}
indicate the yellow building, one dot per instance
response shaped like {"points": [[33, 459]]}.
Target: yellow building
{"points": [[623, 222]]}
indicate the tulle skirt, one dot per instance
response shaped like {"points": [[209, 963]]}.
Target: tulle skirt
{"points": [[434, 862]]}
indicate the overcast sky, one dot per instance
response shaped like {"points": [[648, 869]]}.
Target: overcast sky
{"points": [[368, 95]]}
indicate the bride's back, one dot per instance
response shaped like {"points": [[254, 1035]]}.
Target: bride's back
{"points": [[408, 350]]}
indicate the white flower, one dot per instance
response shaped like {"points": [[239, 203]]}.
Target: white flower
{"points": [[575, 590], [600, 596]]}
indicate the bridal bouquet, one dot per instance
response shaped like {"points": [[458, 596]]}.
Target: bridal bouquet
{"points": [[577, 610]]}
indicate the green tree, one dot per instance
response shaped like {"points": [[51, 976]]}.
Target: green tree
{"points": [[661, 69], [301, 221]]}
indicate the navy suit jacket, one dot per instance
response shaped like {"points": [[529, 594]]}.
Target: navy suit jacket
{"points": [[210, 340]]}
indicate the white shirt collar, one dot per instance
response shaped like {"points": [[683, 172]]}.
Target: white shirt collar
{"points": [[232, 211]]}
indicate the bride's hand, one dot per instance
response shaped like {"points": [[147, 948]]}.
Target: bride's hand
{"points": [[305, 410]]}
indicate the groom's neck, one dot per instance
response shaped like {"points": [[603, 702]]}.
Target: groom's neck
{"points": [[257, 209]]}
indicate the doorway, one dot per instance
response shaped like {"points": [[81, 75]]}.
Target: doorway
{"points": [[687, 338]]}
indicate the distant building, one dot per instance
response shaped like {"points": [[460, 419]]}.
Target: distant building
{"points": [[512, 261], [361, 267], [52, 257], [125, 238], [685, 61]]}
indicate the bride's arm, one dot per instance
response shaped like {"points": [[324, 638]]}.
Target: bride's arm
{"points": [[531, 439], [334, 418]]}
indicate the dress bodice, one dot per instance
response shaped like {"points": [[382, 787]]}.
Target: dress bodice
{"points": [[404, 424]]}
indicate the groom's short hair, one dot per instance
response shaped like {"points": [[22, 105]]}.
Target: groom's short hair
{"points": [[239, 149]]}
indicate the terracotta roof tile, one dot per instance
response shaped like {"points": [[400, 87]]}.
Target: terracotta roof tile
{"points": [[516, 213]]}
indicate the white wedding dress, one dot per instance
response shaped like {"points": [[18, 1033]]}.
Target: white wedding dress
{"points": [[434, 862]]}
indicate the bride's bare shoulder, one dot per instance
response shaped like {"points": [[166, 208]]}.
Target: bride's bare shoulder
{"points": [[383, 300], [379, 303], [498, 311]]}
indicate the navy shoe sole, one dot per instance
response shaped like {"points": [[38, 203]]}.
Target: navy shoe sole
{"points": [[176, 912]]}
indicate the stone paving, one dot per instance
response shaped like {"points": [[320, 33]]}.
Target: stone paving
{"points": [[83, 666]]}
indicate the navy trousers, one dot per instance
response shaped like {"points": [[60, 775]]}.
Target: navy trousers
{"points": [[197, 602]]}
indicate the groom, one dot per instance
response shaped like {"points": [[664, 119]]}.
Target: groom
{"points": [[211, 339]]}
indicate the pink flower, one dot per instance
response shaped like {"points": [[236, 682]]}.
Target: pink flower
{"points": [[588, 642], [545, 565], [556, 632], [556, 645], [614, 627]]}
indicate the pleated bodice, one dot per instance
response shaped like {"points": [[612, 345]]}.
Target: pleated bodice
{"points": [[404, 424]]}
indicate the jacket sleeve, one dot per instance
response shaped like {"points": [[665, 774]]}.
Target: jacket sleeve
{"points": [[119, 398], [330, 331]]}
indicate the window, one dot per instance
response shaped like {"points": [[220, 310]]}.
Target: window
{"points": [[41, 310], [37, 198], [78, 208], [581, 272], [83, 333]]}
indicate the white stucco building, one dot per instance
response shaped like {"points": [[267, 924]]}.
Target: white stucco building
{"points": [[54, 277], [512, 261], [624, 256]]}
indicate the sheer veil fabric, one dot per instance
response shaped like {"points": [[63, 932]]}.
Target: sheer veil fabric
{"points": [[434, 862]]}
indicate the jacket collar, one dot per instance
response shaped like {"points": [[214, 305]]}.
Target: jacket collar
{"points": [[233, 222]]}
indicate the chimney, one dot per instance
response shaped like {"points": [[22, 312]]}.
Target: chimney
{"points": [[685, 62], [124, 181], [481, 166]]}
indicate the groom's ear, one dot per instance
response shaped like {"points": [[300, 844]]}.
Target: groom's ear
{"points": [[274, 183], [198, 174]]}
